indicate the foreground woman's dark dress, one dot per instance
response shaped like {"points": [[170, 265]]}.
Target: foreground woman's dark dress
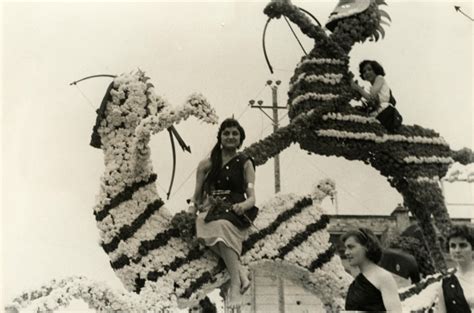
{"points": [[363, 296]]}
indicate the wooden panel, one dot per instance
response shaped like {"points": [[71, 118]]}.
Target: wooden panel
{"points": [[267, 308], [267, 299], [266, 280], [266, 291], [302, 300], [303, 309]]}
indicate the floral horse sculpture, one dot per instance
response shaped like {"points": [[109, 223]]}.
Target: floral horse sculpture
{"points": [[159, 268], [145, 248], [323, 122]]}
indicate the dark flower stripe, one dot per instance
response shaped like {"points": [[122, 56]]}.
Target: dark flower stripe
{"points": [[405, 130], [417, 288], [304, 86], [374, 129], [123, 196], [120, 262], [323, 258], [303, 236], [398, 149], [295, 241], [206, 277], [139, 284], [160, 240], [281, 218], [309, 65], [127, 231], [193, 254], [349, 126], [197, 253]]}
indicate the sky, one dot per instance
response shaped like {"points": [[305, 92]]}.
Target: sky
{"points": [[50, 175]]}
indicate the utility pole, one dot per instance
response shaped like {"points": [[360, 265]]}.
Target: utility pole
{"points": [[275, 123]]}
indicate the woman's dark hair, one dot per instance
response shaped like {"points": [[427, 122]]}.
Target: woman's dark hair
{"points": [[378, 69], [366, 237], [216, 156], [461, 231]]}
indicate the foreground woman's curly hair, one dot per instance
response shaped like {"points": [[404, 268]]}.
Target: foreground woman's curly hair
{"points": [[366, 237]]}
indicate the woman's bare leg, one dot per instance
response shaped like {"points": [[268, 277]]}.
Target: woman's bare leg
{"points": [[244, 274], [232, 262]]}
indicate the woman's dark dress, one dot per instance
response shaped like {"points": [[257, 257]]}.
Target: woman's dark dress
{"points": [[454, 296], [231, 177], [363, 296]]}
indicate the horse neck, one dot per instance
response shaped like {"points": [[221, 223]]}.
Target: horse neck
{"points": [[125, 164]]}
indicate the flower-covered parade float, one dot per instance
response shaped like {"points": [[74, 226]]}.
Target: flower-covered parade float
{"points": [[152, 252]]}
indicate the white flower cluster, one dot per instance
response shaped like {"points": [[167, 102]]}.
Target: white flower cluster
{"points": [[123, 113], [429, 180], [274, 206], [127, 157], [196, 105], [304, 253], [426, 298], [417, 139], [431, 159], [381, 139], [59, 293], [314, 96], [268, 248], [127, 212], [320, 61], [328, 78], [183, 276], [459, 172], [350, 118], [132, 115], [345, 13], [325, 187]]}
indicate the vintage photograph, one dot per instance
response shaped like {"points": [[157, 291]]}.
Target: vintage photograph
{"points": [[260, 156]]}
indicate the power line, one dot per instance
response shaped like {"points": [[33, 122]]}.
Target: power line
{"points": [[195, 168], [85, 97], [314, 167]]}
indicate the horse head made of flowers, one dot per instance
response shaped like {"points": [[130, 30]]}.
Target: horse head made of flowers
{"points": [[129, 113], [323, 122], [322, 78]]}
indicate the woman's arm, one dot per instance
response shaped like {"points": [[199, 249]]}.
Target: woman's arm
{"points": [[201, 172], [441, 305], [249, 177], [374, 89], [388, 288]]}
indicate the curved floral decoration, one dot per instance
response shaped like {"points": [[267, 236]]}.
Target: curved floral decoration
{"points": [[58, 294], [459, 172], [413, 159]]}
